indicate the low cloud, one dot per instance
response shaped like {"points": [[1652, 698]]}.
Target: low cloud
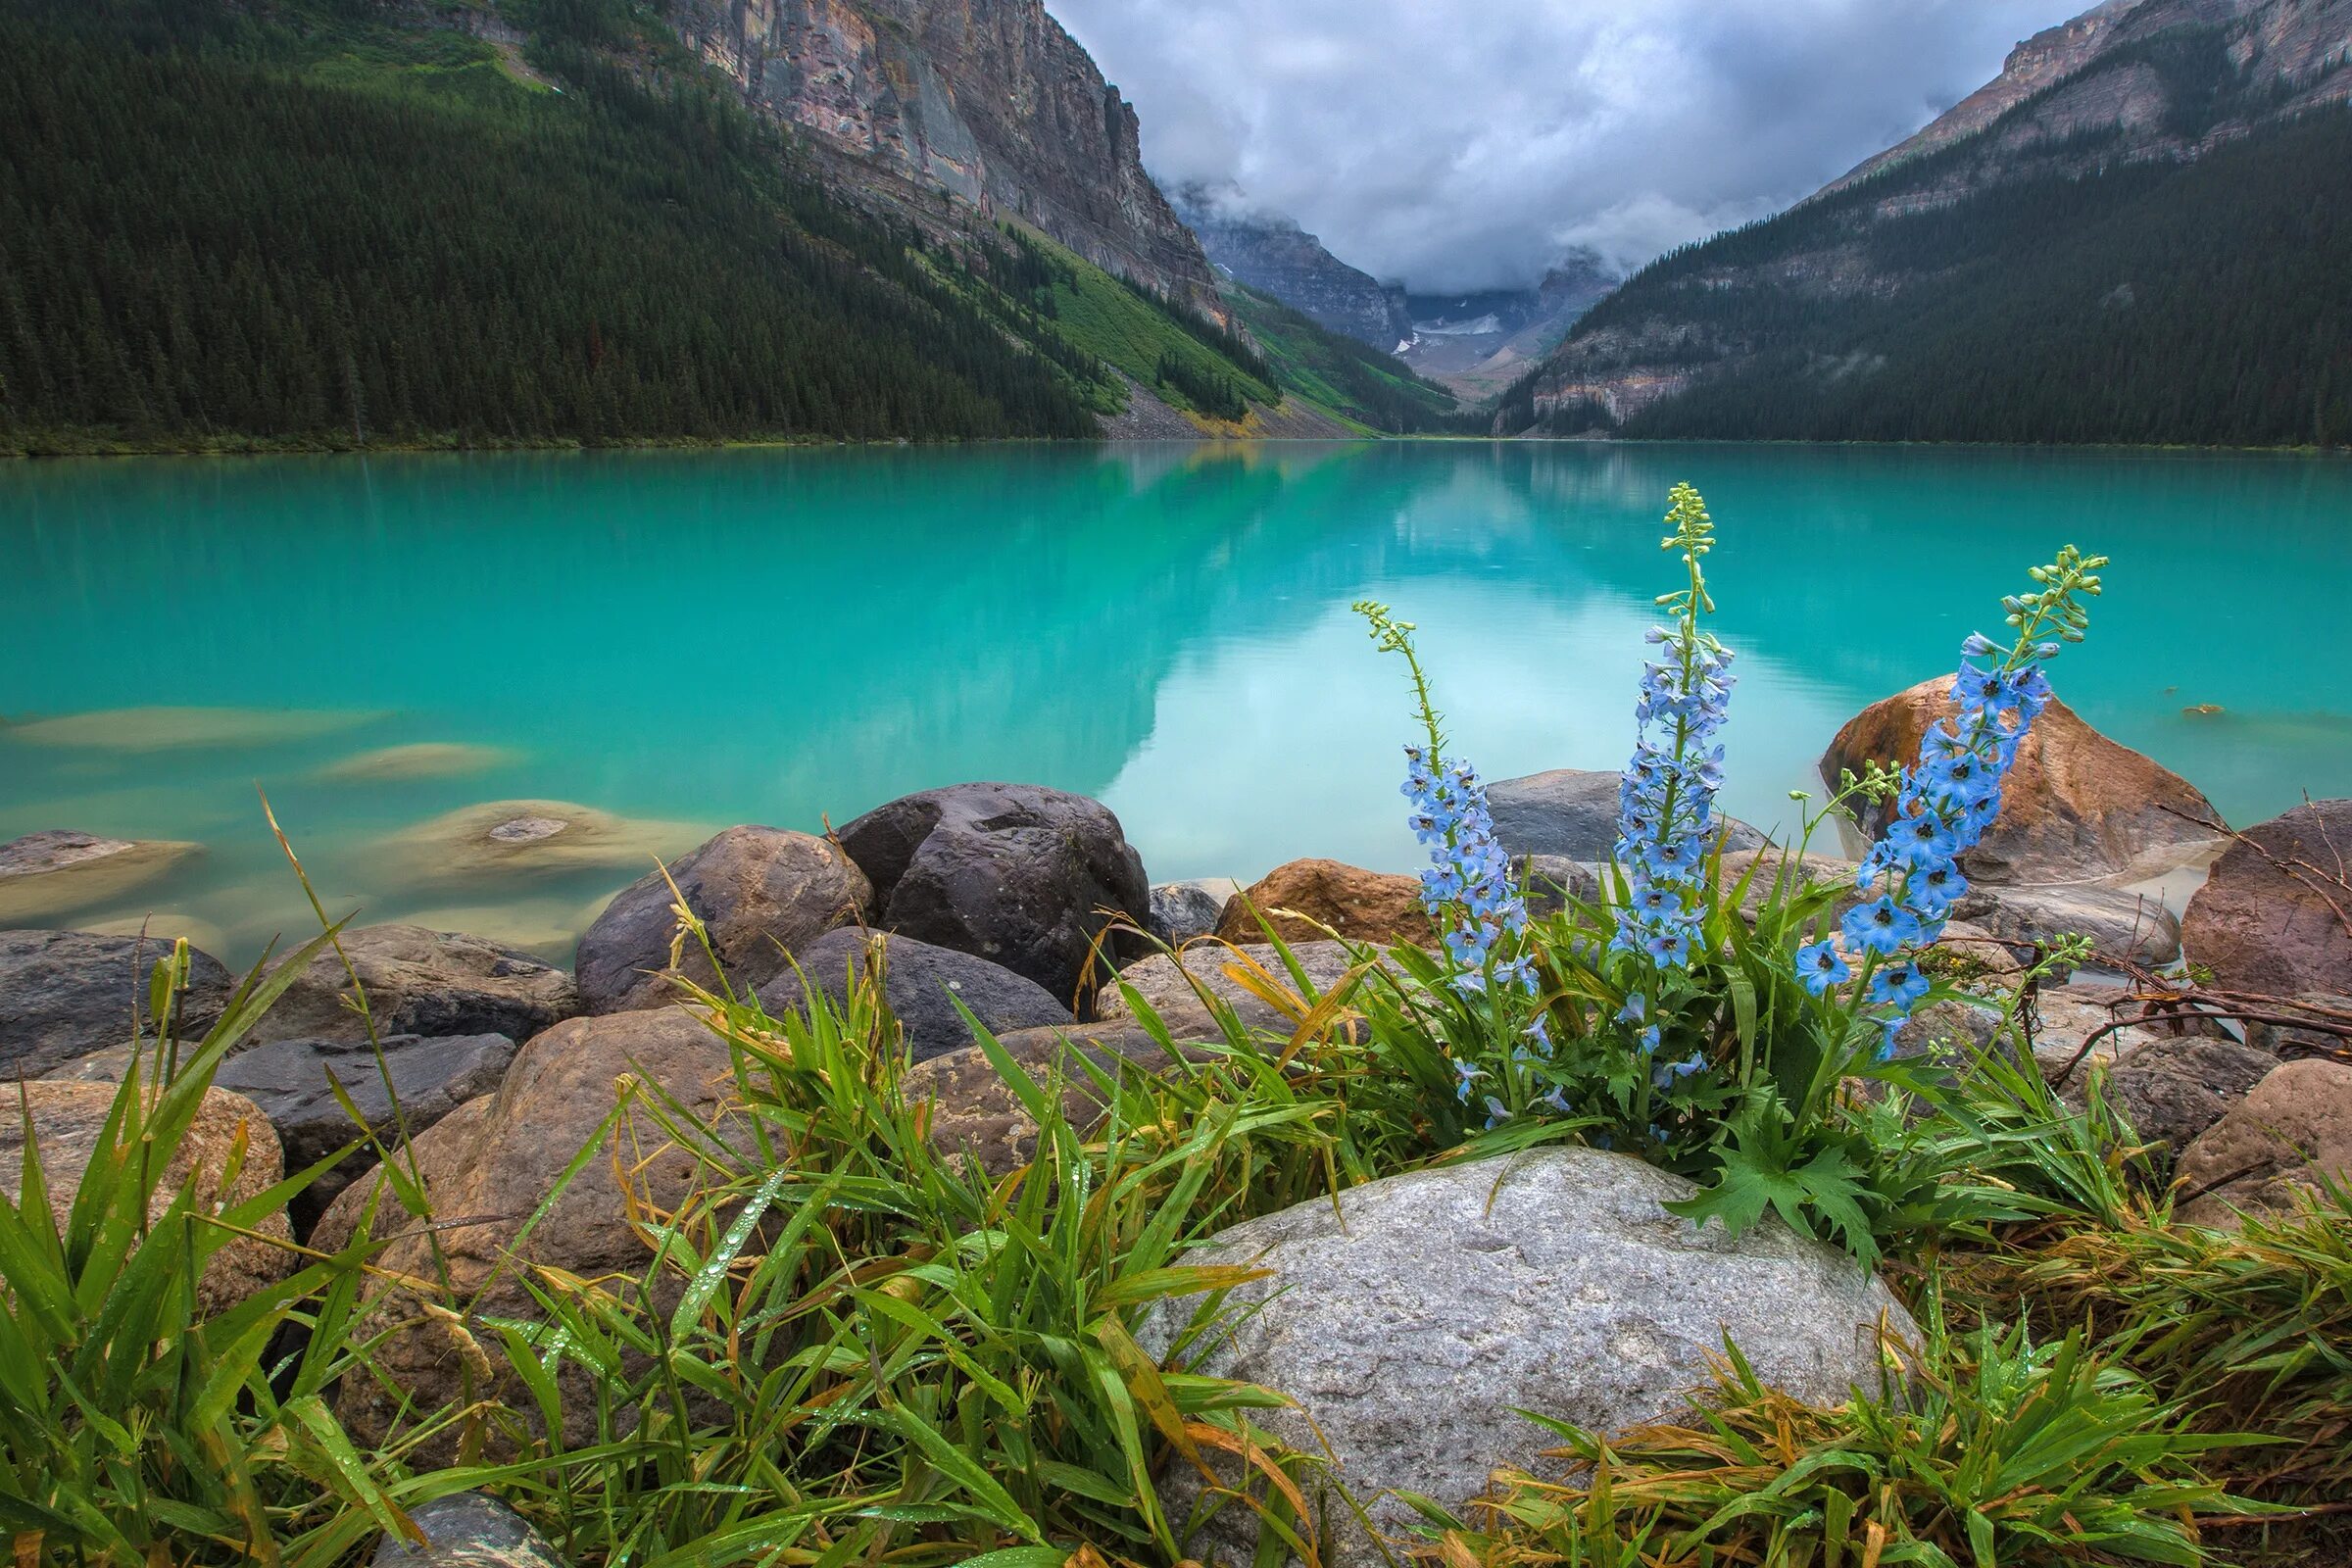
{"points": [[1466, 146]]}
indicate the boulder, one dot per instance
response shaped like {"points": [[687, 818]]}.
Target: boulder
{"points": [[2076, 806], [1787, 873], [1950, 1031], [468, 1530], [1550, 882], [487, 1168], [421, 982], [762, 891], [2123, 927], [67, 1119], [65, 994], [1572, 812], [2065, 1016], [1027, 876], [289, 1080], [2292, 1130], [919, 980], [2289, 1040], [1184, 912], [1172, 988], [43, 875], [1325, 897], [2173, 1089], [976, 1112], [2271, 916], [1412, 1317]]}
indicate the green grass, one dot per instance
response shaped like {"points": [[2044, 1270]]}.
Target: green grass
{"points": [[1103, 317], [1370, 389]]}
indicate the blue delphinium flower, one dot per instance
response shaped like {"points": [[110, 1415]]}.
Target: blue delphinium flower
{"points": [[1666, 796], [1821, 966], [1467, 887]]}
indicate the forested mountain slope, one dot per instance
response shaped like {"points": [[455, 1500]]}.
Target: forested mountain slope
{"points": [[2139, 234]]}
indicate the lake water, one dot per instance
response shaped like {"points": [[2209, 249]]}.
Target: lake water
{"points": [[686, 641]]}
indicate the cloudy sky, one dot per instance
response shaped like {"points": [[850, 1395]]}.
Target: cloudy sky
{"points": [[1461, 144]]}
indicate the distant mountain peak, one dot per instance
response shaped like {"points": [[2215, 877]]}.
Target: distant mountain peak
{"points": [[1270, 253]]}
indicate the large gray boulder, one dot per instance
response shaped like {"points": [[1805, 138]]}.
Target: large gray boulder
{"points": [[1572, 812], [923, 984], [420, 982], [65, 994], [2124, 926], [1024, 876], [762, 893], [1410, 1320]]}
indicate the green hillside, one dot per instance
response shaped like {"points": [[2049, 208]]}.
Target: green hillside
{"points": [[1360, 383], [305, 226]]}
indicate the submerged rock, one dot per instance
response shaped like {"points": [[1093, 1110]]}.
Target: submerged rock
{"points": [[762, 893], [2271, 916], [1024, 875], [923, 984], [1412, 1317], [68, 1120], [164, 729], [420, 760], [43, 875], [2076, 806], [1328, 897], [2289, 1134], [1572, 812], [510, 840], [420, 982], [65, 994]]}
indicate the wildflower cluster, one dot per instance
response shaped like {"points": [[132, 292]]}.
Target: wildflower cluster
{"points": [[1666, 798], [1467, 887], [1943, 803]]}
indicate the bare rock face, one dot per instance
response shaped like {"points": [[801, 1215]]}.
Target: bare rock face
{"points": [[67, 1119], [2294, 1129], [987, 101], [976, 1112], [1276, 257], [65, 994], [922, 985], [420, 982], [1378, 906], [1023, 875], [2077, 808], [493, 1161], [762, 891], [2271, 916], [1412, 1317]]}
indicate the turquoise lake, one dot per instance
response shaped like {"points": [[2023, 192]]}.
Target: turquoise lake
{"points": [[686, 641]]}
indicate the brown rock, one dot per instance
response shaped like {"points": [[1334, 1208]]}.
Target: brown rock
{"points": [[976, 1111], [763, 893], [67, 1119], [2172, 1089], [45, 874], [2295, 1127], [2272, 914], [2078, 807], [1364, 906], [491, 1164], [420, 982], [2123, 927]]}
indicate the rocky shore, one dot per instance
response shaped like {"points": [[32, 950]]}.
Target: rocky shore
{"points": [[2222, 1027]]}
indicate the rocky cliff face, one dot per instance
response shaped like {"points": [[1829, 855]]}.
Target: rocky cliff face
{"points": [[2129, 81], [1478, 343], [1275, 256], [943, 108]]}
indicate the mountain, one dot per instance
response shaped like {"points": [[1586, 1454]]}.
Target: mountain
{"points": [[1274, 256], [988, 104], [1478, 343], [305, 224], [2135, 233], [1361, 383]]}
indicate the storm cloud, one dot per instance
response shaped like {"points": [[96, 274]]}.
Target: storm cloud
{"points": [[1459, 145]]}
